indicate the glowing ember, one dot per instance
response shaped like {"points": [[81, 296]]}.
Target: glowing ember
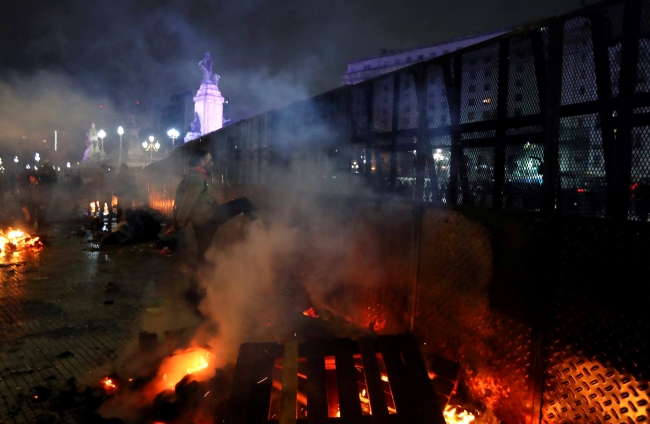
{"points": [[17, 240], [109, 384], [310, 313], [452, 417]]}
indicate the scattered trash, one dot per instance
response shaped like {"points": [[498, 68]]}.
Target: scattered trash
{"points": [[65, 354], [108, 302], [26, 370]]}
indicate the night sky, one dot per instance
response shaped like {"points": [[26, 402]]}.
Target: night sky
{"points": [[59, 60]]}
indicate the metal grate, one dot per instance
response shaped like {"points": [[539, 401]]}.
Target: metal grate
{"points": [[479, 86], [408, 105], [383, 105], [476, 176], [437, 103], [523, 177], [578, 76], [523, 95], [582, 176], [640, 184]]}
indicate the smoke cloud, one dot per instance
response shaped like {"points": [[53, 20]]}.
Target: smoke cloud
{"points": [[62, 60]]}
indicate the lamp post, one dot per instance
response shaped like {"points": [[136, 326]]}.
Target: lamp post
{"points": [[37, 157], [101, 134], [173, 134], [151, 146], [15, 164], [120, 131]]}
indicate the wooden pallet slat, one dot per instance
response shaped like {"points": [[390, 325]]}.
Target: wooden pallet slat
{"points": [[262, 382], [239, 394], [315, 388], [349, 405], [404, 404], [373, 380], [419, 383], [289, 383]]}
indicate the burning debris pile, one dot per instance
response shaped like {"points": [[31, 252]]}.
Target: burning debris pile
{"points": [[17, 240]]}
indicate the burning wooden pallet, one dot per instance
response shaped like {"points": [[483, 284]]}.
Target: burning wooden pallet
{"points": [[380, 381]]}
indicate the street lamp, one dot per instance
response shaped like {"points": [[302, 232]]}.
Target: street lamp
{"points": [[120, 131], [37, 157], [67, 165], [150, 146], [101, 134], [173, 134]]}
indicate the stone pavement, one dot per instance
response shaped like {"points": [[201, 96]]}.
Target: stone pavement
{"points": [[57, 322]]}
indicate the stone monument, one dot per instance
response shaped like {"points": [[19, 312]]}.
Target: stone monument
{"points": [[208, 103]]}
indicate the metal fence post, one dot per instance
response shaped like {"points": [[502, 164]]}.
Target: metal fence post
{"points": [[618, 196], [452, 86], [550, 182], [502, 116]]}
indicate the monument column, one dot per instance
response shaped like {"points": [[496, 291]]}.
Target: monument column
{"points": [[208, 104]]}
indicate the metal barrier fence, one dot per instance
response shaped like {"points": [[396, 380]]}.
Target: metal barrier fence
{"points": [[547, 313], [552, 117]]}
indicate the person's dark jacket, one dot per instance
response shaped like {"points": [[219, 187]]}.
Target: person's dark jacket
{"points": [[194, 203]]}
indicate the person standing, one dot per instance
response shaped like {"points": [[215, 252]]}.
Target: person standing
{"points": [[29, 195], [126, 190], [195, 206], [47, 177]]}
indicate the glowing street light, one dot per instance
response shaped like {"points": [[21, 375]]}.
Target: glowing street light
{"points": [[15, 159], [37, 157], [173, 134], [67, 165], [27, 167], [150, 146], [101, 134], [120, 131]]}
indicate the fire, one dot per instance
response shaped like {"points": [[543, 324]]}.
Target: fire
{"points": [[108, 384], [452, 417], [310, 313], [194, 362], [17, 240]]}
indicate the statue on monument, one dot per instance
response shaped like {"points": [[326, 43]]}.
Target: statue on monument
{"points": [[195, 125], [92, 151], [206, 64]]}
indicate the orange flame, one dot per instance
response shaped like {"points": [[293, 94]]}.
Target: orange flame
{"points": [[453, 417], [193, 362], [310, 313], [17, 240], [109, 385]]}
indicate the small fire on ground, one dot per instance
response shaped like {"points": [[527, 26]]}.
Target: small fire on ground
{"points": [[17, 240], [456, 415], [194, 362], [310, 313]]}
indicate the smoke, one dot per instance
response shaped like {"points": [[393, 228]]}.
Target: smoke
{"points": [[32, 108], [62, 60]]}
